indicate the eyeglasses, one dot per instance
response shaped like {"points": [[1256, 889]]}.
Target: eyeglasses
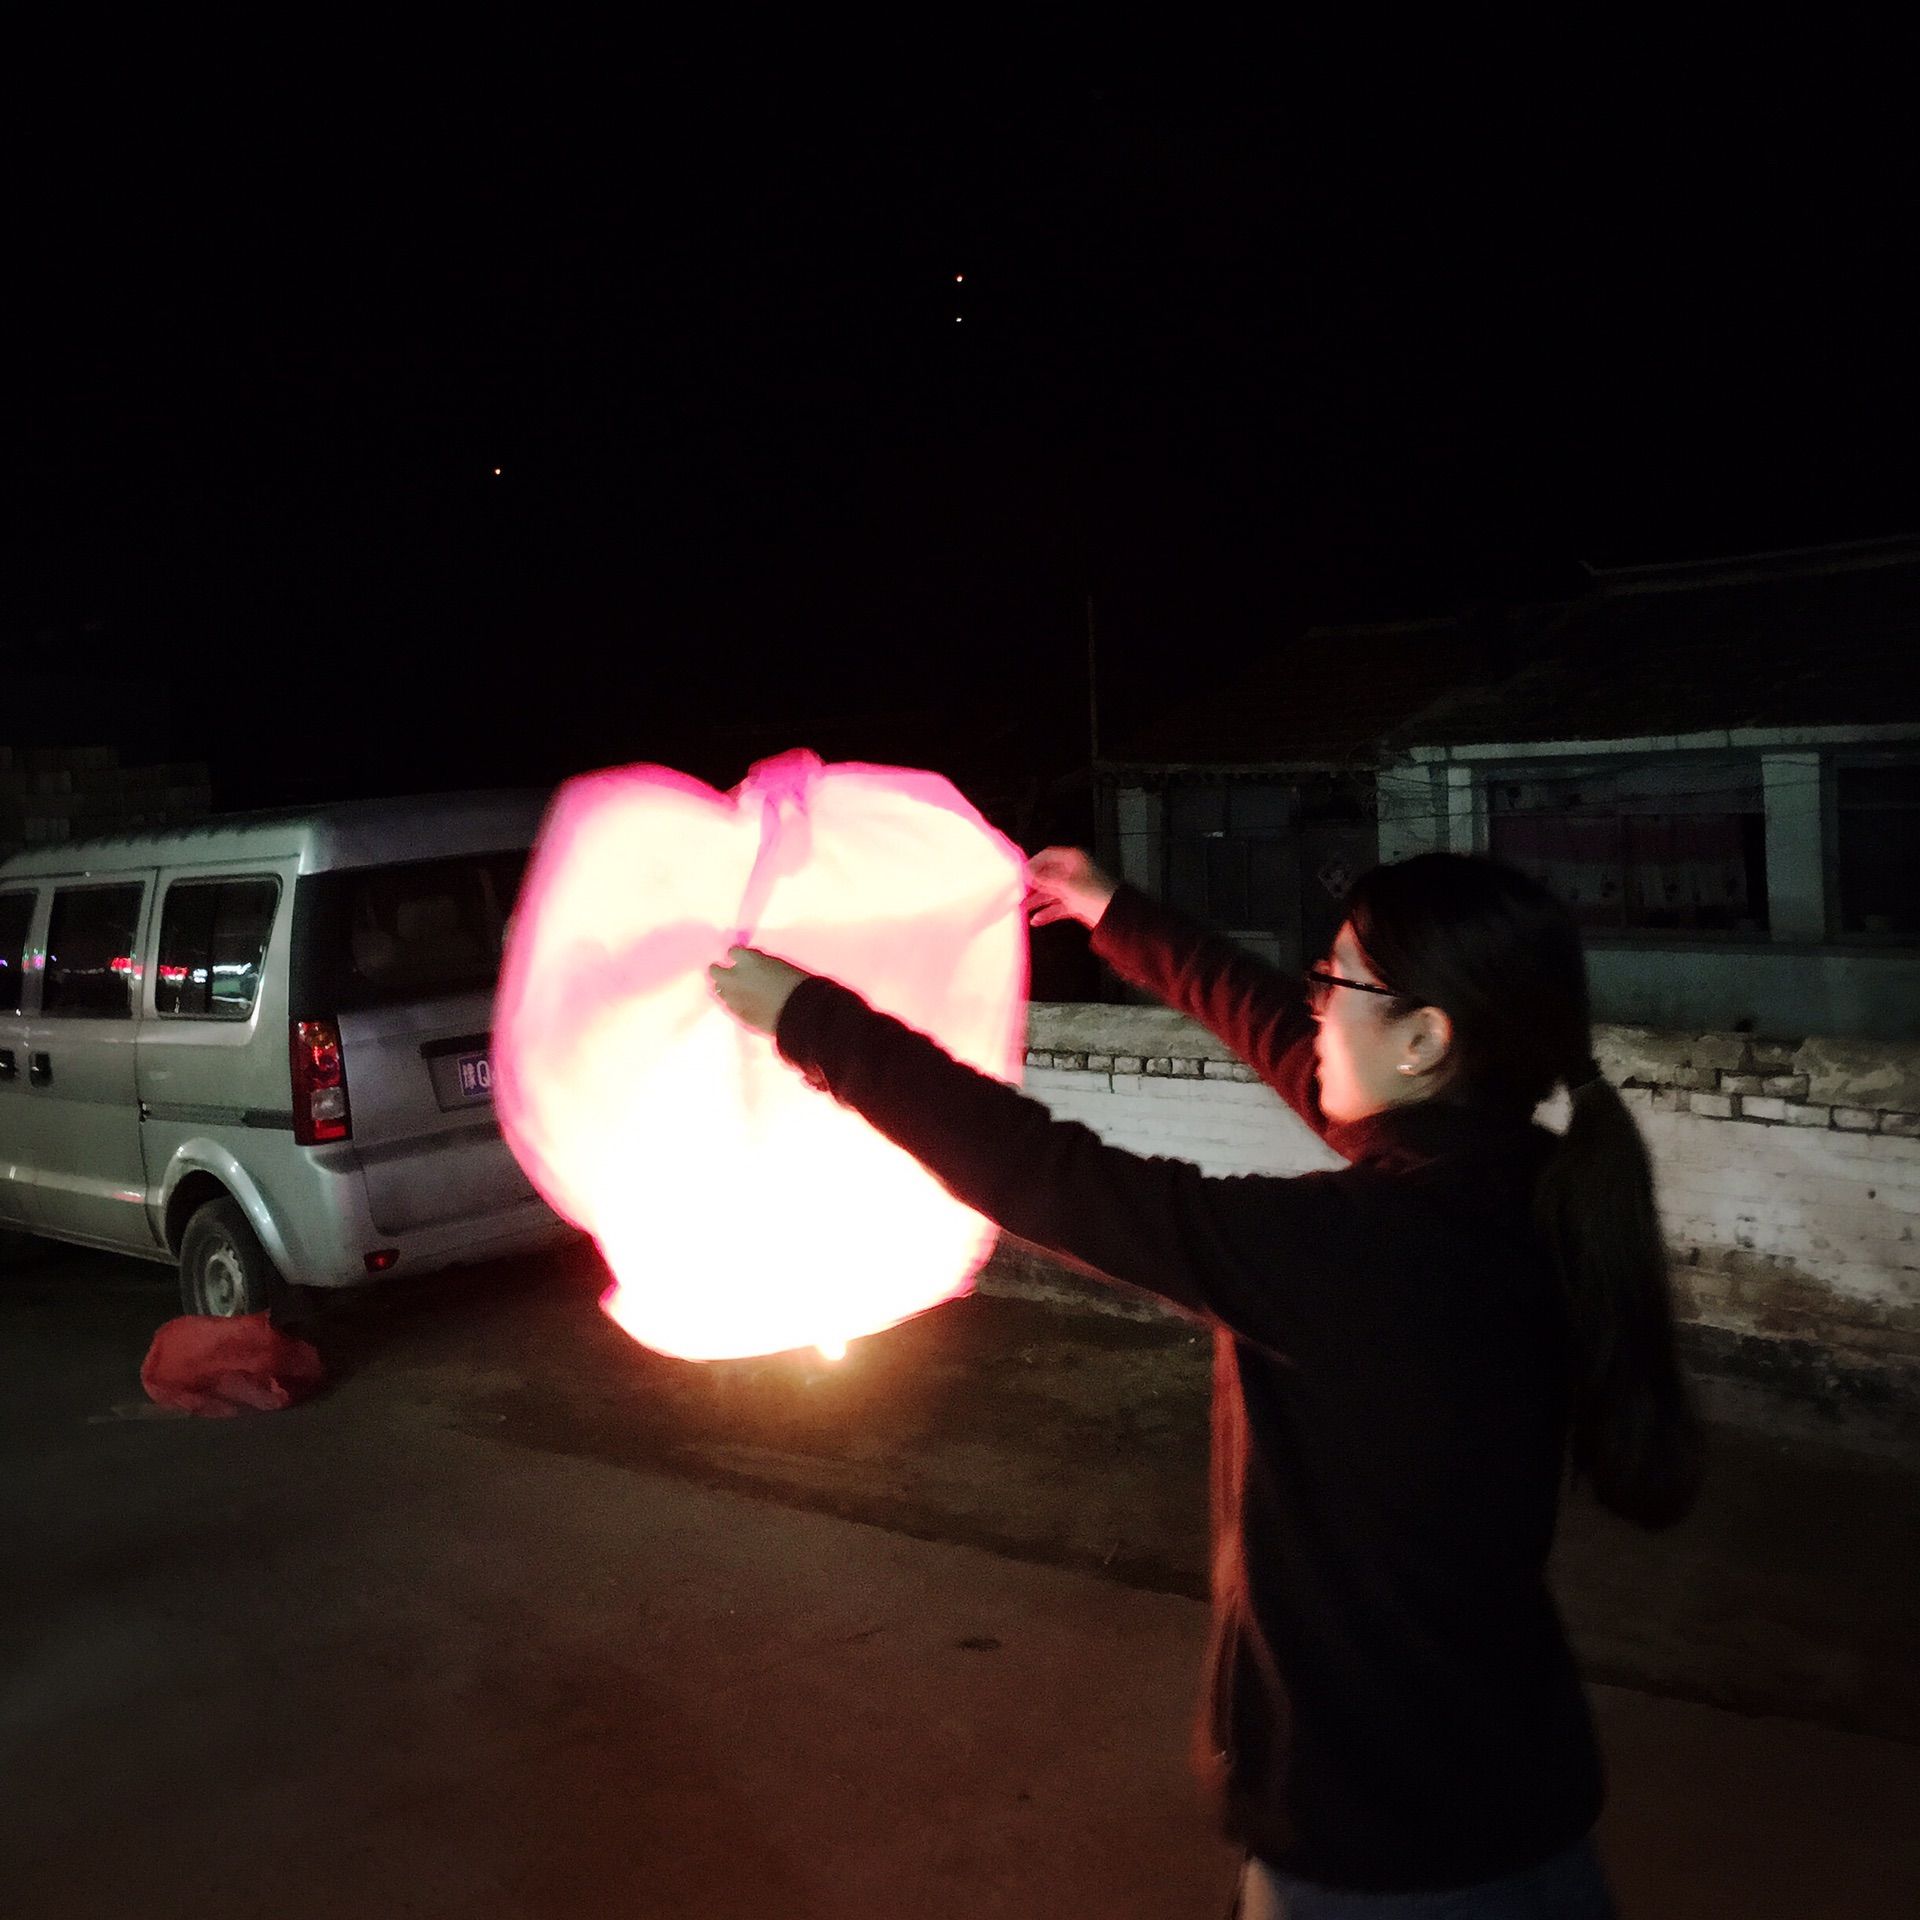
{"points": [[1320, 985]]}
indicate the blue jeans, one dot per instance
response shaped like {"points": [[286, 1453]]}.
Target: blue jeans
{"points": [[1570, 1886]]}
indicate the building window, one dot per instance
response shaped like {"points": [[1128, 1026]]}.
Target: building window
{"points": [[1676, 847], [1877, 853], [213, 939], [90, 958], [1229, 855]]}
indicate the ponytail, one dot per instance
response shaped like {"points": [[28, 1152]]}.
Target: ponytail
{"points": [[1502, 957], [1636, 1439]]}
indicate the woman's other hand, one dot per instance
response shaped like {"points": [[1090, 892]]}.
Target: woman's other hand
{"points": [[754, 986], [1064, 884]]}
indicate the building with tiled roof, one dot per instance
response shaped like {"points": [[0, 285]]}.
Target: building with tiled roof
{"points": [[1716, 764]]}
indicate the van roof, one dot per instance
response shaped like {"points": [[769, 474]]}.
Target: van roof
{"points": [[343, 833]]}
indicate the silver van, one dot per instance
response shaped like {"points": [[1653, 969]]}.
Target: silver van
{"points": [[258, 1048]]}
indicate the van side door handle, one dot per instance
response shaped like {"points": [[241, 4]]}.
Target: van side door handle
{"points": [[8, 1070], [40, 1068]]}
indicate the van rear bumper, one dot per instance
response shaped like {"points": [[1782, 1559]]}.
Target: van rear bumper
{"points": [[531, 1228], [310, 1207]]}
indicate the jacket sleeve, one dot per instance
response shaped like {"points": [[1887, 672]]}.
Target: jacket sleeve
{"points": [[1258, 1011], [1250, 1252]]}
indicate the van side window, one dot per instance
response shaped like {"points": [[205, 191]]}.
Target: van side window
{"points": [[213, 941], [16, 915], [90, 955]]}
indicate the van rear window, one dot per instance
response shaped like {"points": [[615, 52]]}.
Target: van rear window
{"points": [[420, 930]]}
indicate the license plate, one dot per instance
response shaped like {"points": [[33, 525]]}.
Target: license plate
{"points": [[476, 1076]]}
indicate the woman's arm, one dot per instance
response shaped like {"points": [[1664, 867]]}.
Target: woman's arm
{"points": [[1250, 1252], [1258, 1011]]}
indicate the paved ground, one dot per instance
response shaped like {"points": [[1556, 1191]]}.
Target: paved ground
{"points": [[520, 1620]]}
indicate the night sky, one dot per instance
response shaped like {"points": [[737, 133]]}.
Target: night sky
{"points": [[1230, 355]]}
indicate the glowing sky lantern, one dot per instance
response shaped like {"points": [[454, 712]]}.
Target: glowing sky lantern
{"points": [[740, 1210]]}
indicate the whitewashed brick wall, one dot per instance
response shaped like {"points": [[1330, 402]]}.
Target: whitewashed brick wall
{"points": [[1787, 1214], [1221, 1122], [1774, 1218]]}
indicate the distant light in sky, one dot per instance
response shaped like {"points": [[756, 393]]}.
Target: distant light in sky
{"points": [[496, 473], [957, 318], [958, 278]]}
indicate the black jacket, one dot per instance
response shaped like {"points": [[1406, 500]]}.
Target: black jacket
{"points": [[1391, 1703]]}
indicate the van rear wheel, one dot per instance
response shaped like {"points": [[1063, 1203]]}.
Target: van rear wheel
{"points": [[224, 1270]]}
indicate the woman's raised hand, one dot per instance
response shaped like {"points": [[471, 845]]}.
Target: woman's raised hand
{"points": [[754, 987], [1064, 884]]}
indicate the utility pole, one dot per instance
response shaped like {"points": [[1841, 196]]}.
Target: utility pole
{"points": [[1093, 695]]}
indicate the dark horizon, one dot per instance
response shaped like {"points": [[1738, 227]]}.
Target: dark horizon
{"points": [[1227, 367]]}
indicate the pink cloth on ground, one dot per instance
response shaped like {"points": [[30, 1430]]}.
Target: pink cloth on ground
{"points": [[219, 1367]]}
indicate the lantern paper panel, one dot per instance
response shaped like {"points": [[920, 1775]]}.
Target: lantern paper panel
{"points": [[740, 1210]]}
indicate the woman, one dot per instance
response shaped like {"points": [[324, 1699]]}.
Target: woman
{"points": [[1408, 1354]]}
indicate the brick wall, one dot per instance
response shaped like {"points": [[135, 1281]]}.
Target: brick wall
{"points": [[1788, 1171], [52, 794], [1789, 1179]]}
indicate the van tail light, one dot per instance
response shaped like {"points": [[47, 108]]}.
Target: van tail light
{"points": [[319, 1084]]}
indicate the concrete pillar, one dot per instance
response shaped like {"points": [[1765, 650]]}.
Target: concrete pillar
{"points": [[1463, 810], [1796, 847], [1410, 808], [1140, 818]]}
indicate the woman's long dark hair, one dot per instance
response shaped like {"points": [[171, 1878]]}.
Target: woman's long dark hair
{"points": [[1502, 958]]}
